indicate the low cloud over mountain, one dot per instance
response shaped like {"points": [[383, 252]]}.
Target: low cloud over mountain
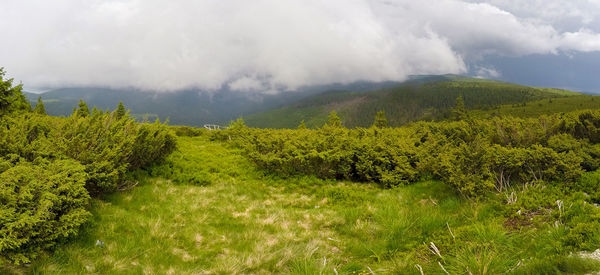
{"points": [[273, 45]]}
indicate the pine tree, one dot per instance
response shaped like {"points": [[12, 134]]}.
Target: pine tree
{"points": [[302, 125], [120, 111], [237, 124], [96, 112], [83, 110], [380, 120], [39, 107], [459, 111], [333, 120], [11, 97]]}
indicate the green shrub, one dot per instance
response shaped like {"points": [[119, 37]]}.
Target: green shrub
{"points": [[30, 136], [186, 131], [109, 146], [49, 167], [590, 185], [582, 125], [153, 142], [40, 205], [584, 236], [465, 168], [103, 144], [534, 197], [474, 156]]}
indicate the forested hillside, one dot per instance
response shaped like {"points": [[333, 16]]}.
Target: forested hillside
{"points": [[420, 98], [188, 107], [427, 98], [541, 107]]}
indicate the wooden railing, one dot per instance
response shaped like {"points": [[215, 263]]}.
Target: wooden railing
{"points": [[214, 127]]}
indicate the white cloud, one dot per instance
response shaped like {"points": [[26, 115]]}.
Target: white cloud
{"points": [[563, 14], [246, 84], [583, 40], [487, 72], [267, 44]]}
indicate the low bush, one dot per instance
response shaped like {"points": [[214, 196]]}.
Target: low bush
{"points": [[40, 204], [50, 166], [474, 156], [590, 185]]}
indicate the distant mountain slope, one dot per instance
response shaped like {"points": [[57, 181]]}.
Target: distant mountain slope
{"points": [[542, 107], [191, 107], [421, 98]]}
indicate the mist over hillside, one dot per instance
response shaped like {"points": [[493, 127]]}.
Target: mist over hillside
{"points": [[428, 98], [422, 97], [187, 107]]}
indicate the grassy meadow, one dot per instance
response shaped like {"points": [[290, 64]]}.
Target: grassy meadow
{"points": [[542, 107], [242, 220]]}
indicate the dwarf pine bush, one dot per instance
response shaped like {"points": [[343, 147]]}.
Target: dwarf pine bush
{"points": [[474, 156], [50, 166], [40, 204]]}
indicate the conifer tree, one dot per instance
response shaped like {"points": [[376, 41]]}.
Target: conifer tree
{"points": [[11, 97], [39, 107], [333, 120], [237, 124], [459, 111], [302, 125], [380, 120], [83, 110], [96, 112], [120, 111]]}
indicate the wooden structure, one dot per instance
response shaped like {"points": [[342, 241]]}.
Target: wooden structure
{"points": [[214, 127]]}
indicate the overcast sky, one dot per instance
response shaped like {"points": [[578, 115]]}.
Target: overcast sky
{"points": [[271, 45]]}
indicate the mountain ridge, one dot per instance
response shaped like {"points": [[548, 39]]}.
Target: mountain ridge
{"points": [[187, 107], [420, 97]]}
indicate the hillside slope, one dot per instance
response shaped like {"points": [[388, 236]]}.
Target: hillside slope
{"points": [[542, 107], [425, 98], [188, 107]]}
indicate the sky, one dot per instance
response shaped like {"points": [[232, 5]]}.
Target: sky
{"points": [[278, 45]]}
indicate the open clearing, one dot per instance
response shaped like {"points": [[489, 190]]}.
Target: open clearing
{"points": [[242, 220]]}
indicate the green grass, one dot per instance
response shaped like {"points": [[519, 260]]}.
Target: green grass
{"points": [[543, 107], [559, 91], [314, 117], [240, 220]]}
